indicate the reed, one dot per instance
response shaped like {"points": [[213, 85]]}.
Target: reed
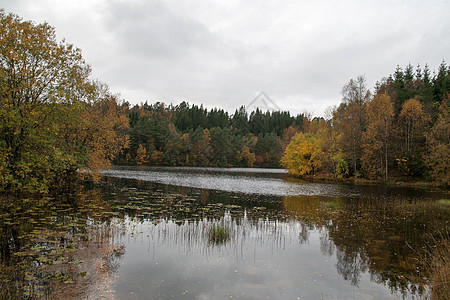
{"points": [[218, 234], [438, 264]]}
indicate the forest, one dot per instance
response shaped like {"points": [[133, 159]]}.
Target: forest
{"points": [[58, 123], [189, 135], [401, 130]]}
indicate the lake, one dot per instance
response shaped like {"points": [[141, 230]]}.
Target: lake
{"points": [[213, 233]]}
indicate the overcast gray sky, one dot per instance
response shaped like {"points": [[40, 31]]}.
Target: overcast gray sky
{"points": [[223, 53]]}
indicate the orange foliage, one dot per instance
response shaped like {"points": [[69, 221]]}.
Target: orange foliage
{"points": [[141, 155], [105, 133], [248, 157], [380, 114]]}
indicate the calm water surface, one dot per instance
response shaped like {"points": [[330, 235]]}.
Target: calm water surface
{"points": [[283, 238], [210, 233]]}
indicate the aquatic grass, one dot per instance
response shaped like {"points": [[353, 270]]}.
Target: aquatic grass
{"points": [[444, 202], [330, 205], [218, 234], [438, 267]]}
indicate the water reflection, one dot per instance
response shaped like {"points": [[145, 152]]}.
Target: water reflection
{"points": [[174, 241], [263, 260], [383, 237], [341, 245], [56, 248]]}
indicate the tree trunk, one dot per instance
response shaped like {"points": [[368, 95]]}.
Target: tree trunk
{"points": [[386, 160]]}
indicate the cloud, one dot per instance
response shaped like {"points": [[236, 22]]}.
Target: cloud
{"points": [[152, 30], [222, 53]]}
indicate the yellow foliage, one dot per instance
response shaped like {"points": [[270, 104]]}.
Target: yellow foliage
{"points": [[303, 155]]}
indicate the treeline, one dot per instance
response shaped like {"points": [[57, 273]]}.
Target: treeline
{"points": [[401, 130], [190, 135], [55, 121]]}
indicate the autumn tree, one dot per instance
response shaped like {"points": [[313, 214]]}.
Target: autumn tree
{"points": [[376, 138], [247, 156], [104, 131], [40, 80], [349, 119], [351, 142], [141, 155], [303, 155], [412, 118], [327, 137], [289, 133], [341, 165], [412, 125], [438, 159], [47, 106], [174, 132]]}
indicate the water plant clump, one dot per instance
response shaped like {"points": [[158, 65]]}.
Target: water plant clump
{"points": [[218, 234]]}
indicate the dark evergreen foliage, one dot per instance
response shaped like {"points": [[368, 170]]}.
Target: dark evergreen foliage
{"points": [[191, 135]]}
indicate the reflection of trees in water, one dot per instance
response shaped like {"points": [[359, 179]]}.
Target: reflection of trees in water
{"points": [[52, 247], [350, 265], [384, 237], [258, 229], [303, 235], [327, 246], [365, 235]]}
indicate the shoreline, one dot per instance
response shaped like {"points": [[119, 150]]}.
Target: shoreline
{"points": [[363, 181], [326, 178]]}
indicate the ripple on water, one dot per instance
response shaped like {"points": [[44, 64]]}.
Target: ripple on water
{"points": [[234, 180]]}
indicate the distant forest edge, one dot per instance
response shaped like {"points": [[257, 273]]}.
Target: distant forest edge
{"points": [[402, 129], [56, 120], [194, 136]]}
